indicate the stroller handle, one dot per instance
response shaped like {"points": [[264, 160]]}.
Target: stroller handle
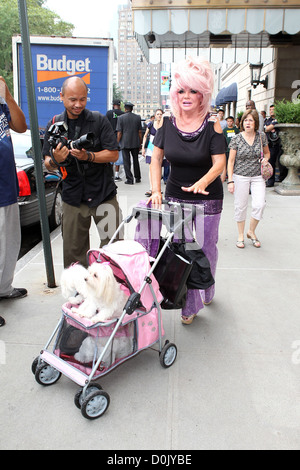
{"points": [[173, 218]]}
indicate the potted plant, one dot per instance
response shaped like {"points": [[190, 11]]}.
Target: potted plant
{"points": [[288, 117]]}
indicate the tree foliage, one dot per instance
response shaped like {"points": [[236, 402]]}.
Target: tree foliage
{"points": [[117, 93], [287, 112], [41, 22]]}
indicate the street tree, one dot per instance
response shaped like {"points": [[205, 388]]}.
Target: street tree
{"points": [[41, 20]]}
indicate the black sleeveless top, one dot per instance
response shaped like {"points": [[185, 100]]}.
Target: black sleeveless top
{"points": [[190, 159]]}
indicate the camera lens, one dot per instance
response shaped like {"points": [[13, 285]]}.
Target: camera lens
{"points": [[84, 141]]}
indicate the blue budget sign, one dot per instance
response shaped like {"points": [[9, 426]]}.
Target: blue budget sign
{"points": [[52, 64]]}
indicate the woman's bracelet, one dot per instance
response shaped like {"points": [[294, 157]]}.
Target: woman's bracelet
{"points": [[228, 182]]}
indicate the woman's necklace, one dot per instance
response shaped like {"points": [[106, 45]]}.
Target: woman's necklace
{"points": [[188, 126], [249, 138], [186, 129]]}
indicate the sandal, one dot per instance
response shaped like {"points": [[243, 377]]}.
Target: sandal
{"points": [[240, 244], [255, 241], [187, 320]]}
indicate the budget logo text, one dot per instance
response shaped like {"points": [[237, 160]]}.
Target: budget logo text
{"points": [[52, 69]]}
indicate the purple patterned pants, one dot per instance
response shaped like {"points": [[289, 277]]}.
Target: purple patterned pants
{"points": [[206, 231]]}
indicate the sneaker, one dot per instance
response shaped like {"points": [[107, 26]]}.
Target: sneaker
{"points": [[2, 321], [117, 178], [17, 293]]}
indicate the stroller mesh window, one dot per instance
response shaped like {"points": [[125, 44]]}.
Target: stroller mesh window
{"points": [[70, 339], [84, 346]]}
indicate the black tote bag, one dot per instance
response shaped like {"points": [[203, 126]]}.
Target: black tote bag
{"points": [[200, 276], [171, 273]]}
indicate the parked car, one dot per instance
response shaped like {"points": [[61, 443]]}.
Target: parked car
{"points": [[28, 197]]}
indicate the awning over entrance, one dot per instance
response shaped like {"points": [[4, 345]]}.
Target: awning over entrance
{"points": [[230, 29], [227, 95]]}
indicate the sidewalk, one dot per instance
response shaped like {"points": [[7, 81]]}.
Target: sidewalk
{"points": [[234, 385]]}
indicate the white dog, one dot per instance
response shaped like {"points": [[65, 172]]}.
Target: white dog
{"points": [[73, 285], [105, 299], [121, 347]]}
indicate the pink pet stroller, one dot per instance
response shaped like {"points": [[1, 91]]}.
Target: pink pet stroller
{"points": [[84, 351]]}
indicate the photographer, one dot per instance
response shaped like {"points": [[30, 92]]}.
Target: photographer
{"points": [[275, 147], [82, 146]]}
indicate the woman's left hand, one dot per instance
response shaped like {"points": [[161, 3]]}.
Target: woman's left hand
{"points": [[196, 188]]}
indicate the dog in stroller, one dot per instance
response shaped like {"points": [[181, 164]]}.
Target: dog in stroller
{"points": [[122, 346], [85, 349], [73, 285], [102, 297]]}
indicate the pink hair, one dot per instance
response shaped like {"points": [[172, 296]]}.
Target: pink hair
{"points": [[194, 73]]}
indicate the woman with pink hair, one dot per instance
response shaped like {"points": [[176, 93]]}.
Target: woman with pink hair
{"points": [[192, 141]]}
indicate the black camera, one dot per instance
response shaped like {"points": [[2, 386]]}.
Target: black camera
{"points": [[59, 135]]}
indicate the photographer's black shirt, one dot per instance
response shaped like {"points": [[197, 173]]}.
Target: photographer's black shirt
{"points": [[83, 182], [72, 128]]}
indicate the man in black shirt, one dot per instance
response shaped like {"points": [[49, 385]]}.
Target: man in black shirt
{"points": [[274, 146], [88, 189], [112, 115], [129, 128]]}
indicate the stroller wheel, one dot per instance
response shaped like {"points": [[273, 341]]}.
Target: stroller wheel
{"points": [[46, 374], [168, 354], [78, 399], [34, 365], [95, 404]]}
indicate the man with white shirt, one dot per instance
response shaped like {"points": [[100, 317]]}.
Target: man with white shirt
{"points": [[220, 115]]}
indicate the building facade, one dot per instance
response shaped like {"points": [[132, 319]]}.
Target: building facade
{"points": [[138, 81], [232, 35]]}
